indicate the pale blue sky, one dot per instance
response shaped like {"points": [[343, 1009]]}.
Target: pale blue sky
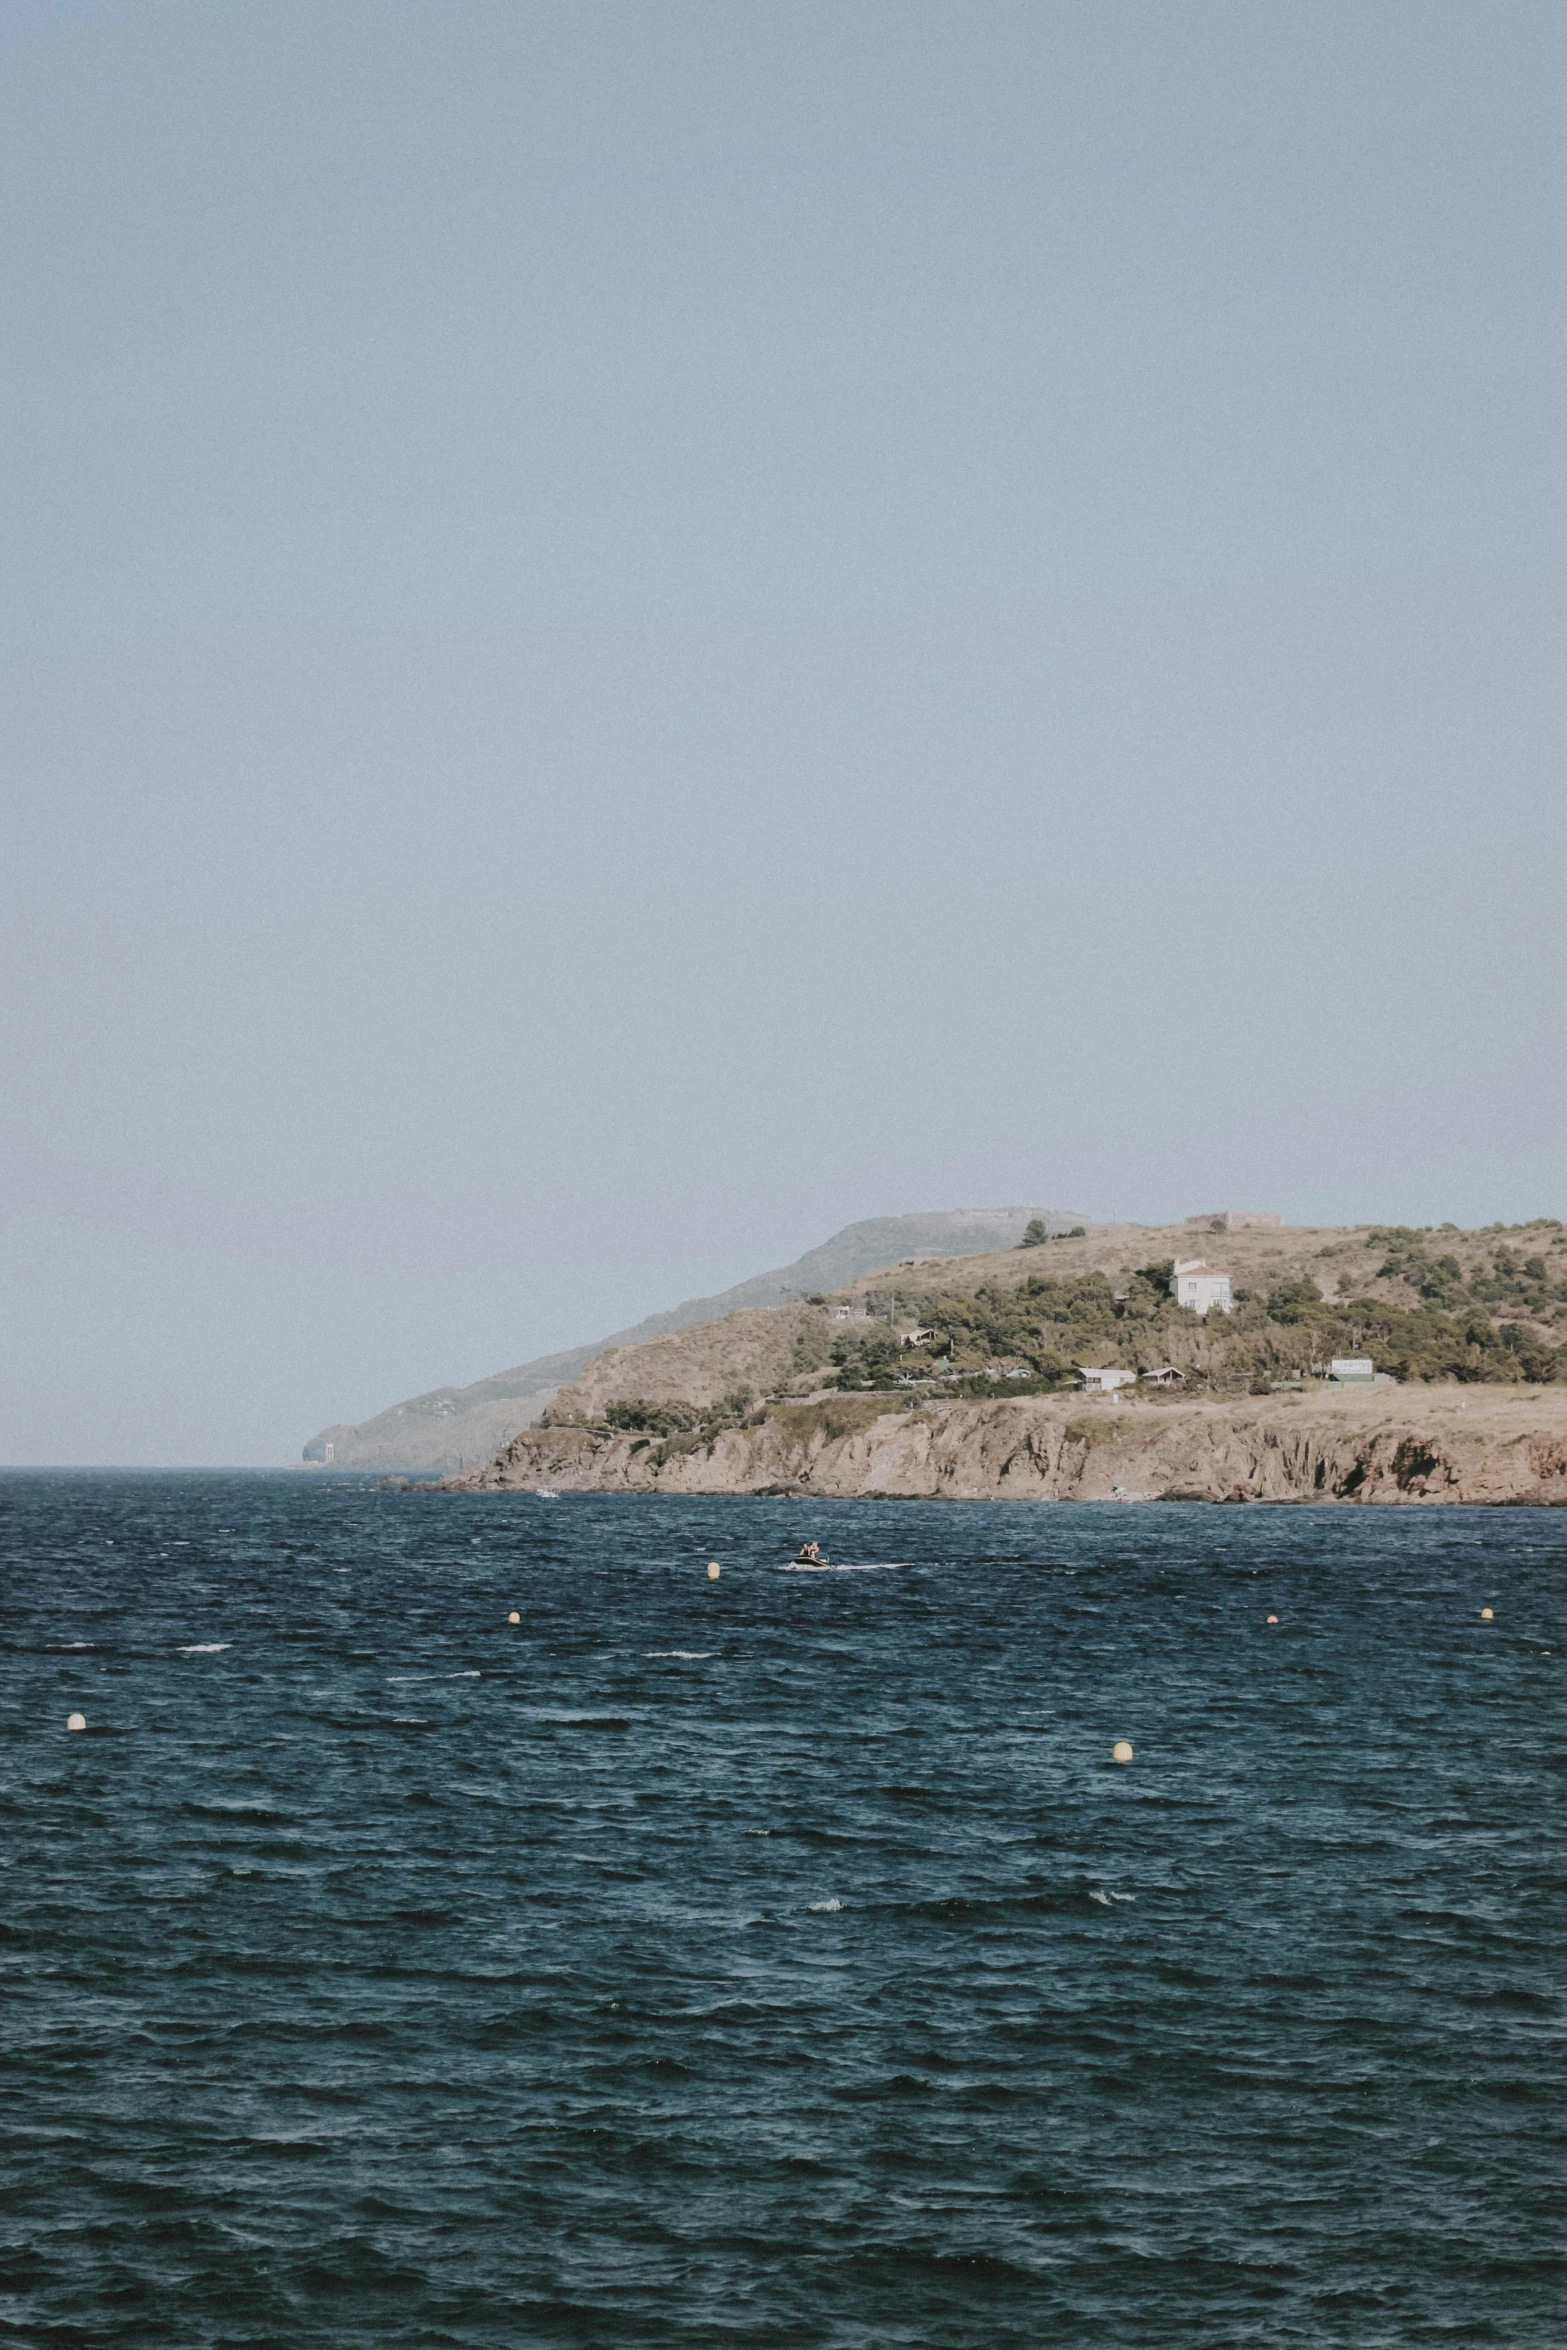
{"points": [[630, 631]]}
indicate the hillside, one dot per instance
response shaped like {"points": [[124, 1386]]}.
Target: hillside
{"points": [[730, 1406], [1503, 1271], [441, 1430], [1031, 1315]]}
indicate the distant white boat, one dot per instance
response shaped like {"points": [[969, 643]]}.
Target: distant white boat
{"points": [[545, 1493]]}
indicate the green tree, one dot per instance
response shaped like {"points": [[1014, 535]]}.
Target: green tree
{"points": [[1292, 1301]]}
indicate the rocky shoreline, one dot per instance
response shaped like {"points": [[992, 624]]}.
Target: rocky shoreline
{"points": [[1425, 1446]]}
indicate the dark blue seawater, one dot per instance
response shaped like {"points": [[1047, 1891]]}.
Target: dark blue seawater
{"points": [[781, 1960]]}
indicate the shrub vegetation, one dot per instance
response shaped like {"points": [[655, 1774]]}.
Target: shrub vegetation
{"points": [[1029, 1339]]}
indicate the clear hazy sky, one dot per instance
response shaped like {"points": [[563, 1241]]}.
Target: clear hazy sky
{"points": [[631, 630]]}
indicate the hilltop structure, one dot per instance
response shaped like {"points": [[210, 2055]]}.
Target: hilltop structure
{"points": [[1240, 1220]]}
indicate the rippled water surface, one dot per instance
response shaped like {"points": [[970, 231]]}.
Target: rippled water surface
{"points": [[780, 1960]]}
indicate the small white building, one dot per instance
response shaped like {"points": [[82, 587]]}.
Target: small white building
{"points": [[1105, 1382], [1353, 1371], [1200, 1286]]}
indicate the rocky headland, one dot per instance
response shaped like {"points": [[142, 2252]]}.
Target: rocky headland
{"points": [[973, 1377]]}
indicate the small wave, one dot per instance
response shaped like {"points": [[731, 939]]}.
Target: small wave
{"points": [[690, 1654], [833, 1904], [401, 1680], [1107, 1898], [205, 1648], [844, 1566], [242, 1808], [587, 1721]]}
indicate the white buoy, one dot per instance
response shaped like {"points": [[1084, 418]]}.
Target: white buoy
{"points": [[714, 1570], [76, 1721], [514, 1618], [1486, 1616], [1121, 1751]]}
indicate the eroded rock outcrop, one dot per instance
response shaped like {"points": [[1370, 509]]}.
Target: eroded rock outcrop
{"points": [[1421, 1446]]}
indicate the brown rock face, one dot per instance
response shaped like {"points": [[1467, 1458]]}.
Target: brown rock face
{"points": [[1418, 1446]]}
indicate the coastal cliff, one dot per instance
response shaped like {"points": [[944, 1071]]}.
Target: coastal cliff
{"points": [[1418, 1445]]}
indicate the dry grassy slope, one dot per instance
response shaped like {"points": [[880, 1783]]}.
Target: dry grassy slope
{"points": [[755, 1349], [1340, 1261], [1418, 1445]]}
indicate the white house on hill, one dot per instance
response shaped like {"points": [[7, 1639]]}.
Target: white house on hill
{"points": [[1200, 1286]]}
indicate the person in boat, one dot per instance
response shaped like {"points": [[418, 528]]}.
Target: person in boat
{"points": [[809, 1554]]}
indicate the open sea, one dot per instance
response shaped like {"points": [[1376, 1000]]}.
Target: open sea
{"points": [[780, 1960]]}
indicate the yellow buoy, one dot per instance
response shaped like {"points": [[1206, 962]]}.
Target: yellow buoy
{"points": [[1121, 1751], [76, 1722], [1486, 1616], [714, 1570], [514, 1618]]}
